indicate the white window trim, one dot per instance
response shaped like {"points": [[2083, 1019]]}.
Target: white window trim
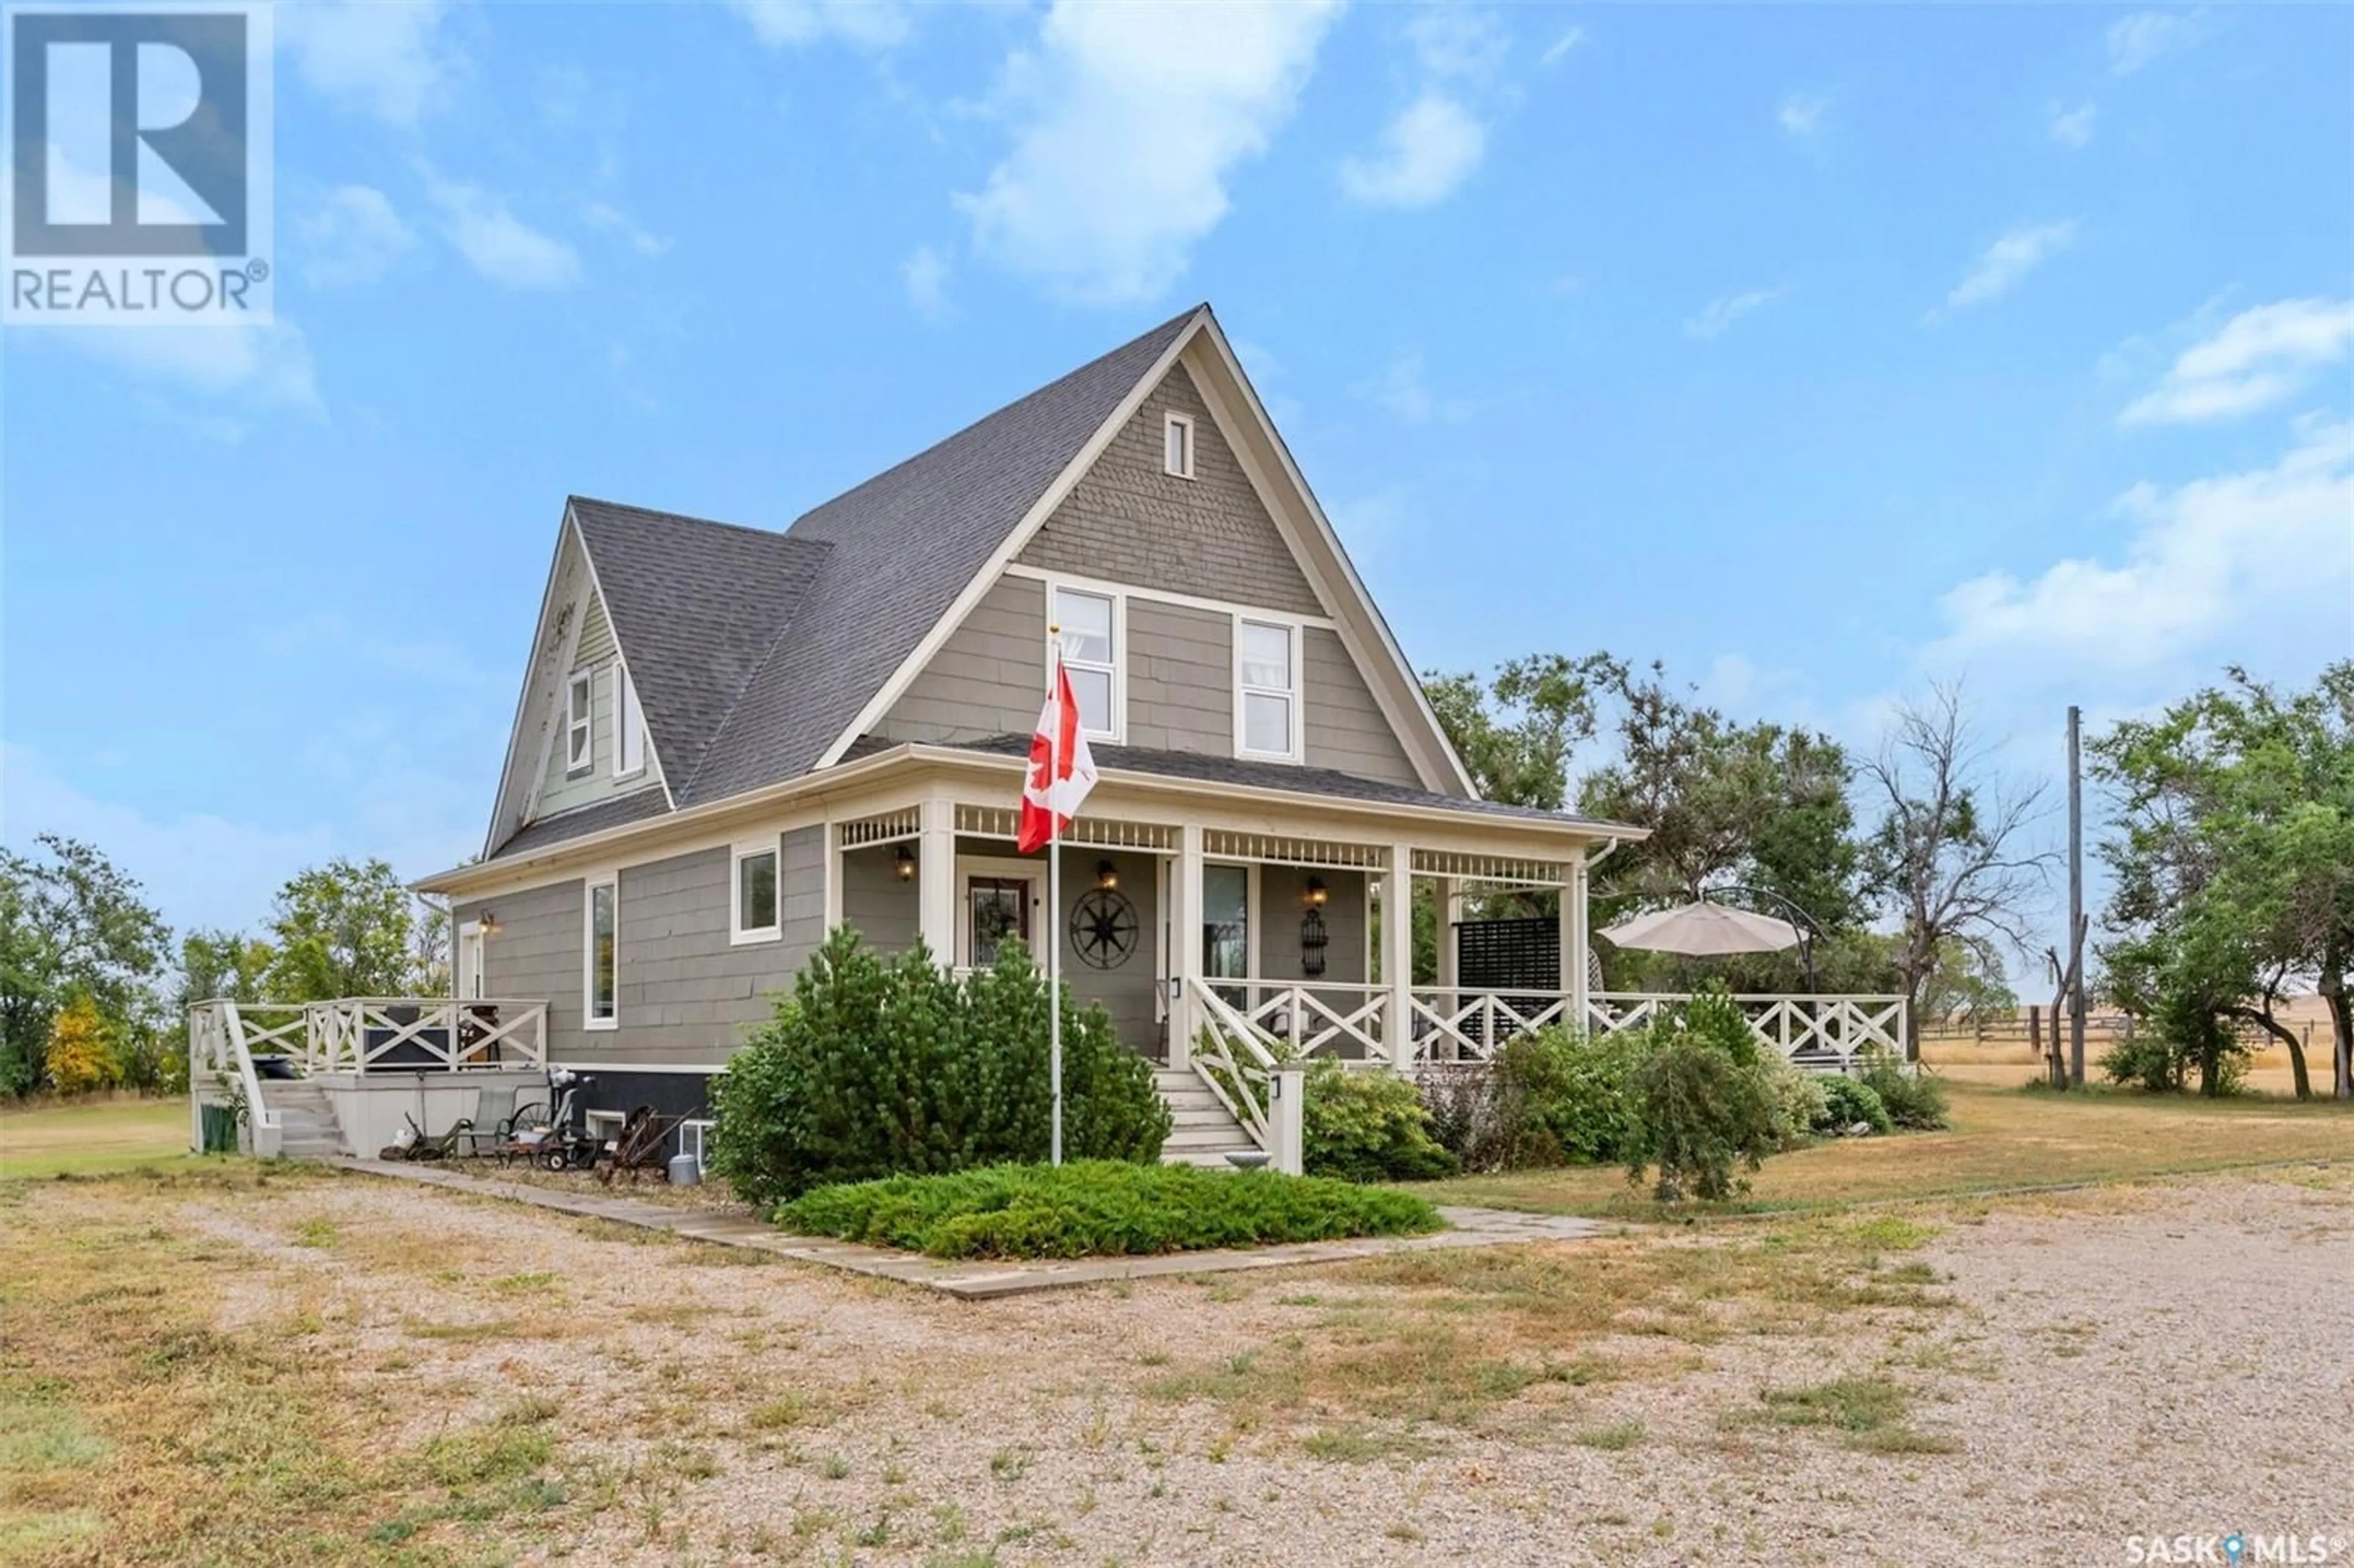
{"points": [[625, 702], [1178, 422], [701, 1127], [740, 935], [472, 951], [589, 1020], [1118, 734], [1297, 695], [1042, 927], [584, 719]]}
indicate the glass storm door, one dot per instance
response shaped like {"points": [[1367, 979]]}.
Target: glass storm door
{"points": [[1225, 929], [997, 911]]}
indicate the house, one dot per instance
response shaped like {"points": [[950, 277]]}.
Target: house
{"points": [[730, 739]]}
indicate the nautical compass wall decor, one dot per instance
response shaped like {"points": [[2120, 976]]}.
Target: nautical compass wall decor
{"points": [[1103, 927]]}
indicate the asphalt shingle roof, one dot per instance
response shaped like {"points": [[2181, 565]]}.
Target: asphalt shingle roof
{"points": [[753, 651], [697, 606]]}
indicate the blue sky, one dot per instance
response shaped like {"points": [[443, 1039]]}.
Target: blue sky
{"points": [[1820, 352]]}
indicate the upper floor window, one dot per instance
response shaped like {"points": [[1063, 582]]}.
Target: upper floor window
{"points": [[1267, 689], [1089, 638], [628, 727], [1177, 446], [601, 982], [579, 709], [755, 894]]}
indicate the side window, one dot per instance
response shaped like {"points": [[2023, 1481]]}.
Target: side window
{"points": [[601, 982], [628, 727], [579, 721], [1089, 638], [1267, 689], [755, 895]]}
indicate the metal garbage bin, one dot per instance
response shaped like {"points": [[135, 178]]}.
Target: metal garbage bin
{"points": [[685, 1171]]}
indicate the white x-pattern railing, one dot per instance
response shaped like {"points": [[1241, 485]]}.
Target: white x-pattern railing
{"points": [[1233, 1056], [353, 1034], [1314, 1018]]}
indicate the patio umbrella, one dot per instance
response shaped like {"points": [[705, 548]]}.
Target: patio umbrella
{"points": [[1703, 930]]}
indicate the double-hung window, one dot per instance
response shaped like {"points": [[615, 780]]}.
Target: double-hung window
{"points": [[600, 982], [579, 718], [628, 727], [1267, 689], [755, 894], [1089, 638]]}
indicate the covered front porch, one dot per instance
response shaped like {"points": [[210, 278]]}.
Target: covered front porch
{"points": [[1230, 930]]}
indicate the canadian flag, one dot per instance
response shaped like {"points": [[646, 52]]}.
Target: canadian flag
{"points": [[1062, 770]]}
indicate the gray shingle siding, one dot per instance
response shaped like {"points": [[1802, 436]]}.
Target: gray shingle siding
{"points": [[1181, 679], [1129, 521], [987, 679], [883, 908], [1346, 729], [536, 955], [687, 993]]}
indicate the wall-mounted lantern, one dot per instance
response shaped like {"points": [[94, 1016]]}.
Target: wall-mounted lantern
{"points": [[1107, 876], [903, 863]]}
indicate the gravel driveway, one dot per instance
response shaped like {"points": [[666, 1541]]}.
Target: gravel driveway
{"points": [[2170, 1359]]}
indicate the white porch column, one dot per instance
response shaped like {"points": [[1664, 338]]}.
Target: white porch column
{"points": [[1397, 956], [1185, 941], [936, 880], [1574, 943], [832, 869], [1451, 914]]}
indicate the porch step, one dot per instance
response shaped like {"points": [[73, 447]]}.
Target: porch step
{"points": [[307, 1126], [1202, 1132]]}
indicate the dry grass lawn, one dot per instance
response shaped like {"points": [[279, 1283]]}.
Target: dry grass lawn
{"points": [[2000, 1139], [92, 1137], [223, 1363]]}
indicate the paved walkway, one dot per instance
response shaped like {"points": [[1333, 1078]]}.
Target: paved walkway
{"points": [[980, 1280]]}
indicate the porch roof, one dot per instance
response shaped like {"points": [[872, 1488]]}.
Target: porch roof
{"points": [[1286, 776]]}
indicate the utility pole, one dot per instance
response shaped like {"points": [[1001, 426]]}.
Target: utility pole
{"points": [[2075, 899]]}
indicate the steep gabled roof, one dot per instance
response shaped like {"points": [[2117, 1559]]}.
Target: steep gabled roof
{"points": [[903, 546], [697, 606]]}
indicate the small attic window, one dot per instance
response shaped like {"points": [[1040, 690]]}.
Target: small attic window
{"points": [[580, 706], [629, 728], [1177, 446]]}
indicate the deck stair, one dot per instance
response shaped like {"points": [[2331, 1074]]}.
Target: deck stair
{"points": [[306, 1119], [1204, 1132]]}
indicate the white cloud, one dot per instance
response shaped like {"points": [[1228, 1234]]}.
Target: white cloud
{"points": [[1128, 130], [198, 870], [351, 236], [238, 372], [789, 23], [1457, 41], [2073, 127], [1425, 152], [2257, 358], [499, 245], [371, 57], [1558, 50], [1801, 113], [2144, 38], [926, 275], [1402, 389], [613, 220], [2001, 265], [2206, 563], [1726, 309]]}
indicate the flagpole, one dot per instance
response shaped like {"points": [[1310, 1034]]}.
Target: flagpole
{"points": [[1054, 924]]}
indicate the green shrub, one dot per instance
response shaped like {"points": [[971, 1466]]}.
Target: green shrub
{"points": [[2146, 1061], [1572, 1093], [873, 1069], [1702, 1113], [1801, 1103], [1847, 1102], [1368, 1125], [1913, 1100], [1101, 1208]]}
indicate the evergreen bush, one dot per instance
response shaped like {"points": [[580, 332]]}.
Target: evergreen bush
{"points": [[1913, 1100], [1848, 1104], [871, 1069]]}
